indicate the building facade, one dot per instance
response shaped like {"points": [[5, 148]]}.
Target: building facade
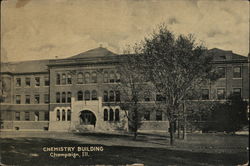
{"points": [[77, 93]]}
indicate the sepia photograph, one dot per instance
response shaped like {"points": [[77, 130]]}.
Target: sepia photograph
{"points": [[124, 82]]}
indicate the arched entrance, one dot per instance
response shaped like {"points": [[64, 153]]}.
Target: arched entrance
{"points": [[87, 118]]}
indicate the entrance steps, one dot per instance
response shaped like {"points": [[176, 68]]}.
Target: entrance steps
{"points": [[82, 128]]}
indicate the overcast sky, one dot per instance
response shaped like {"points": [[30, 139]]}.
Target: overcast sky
{"points": [[43, 29]]}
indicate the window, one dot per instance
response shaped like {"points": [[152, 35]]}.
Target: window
{"points": [[69, 115], [27, 99], [46, 98], [69, 79], [27, 81], [18, 82], [46, 115], [63, 79], [146, 115], [37, 81], [37, 99], [63, 115], [111, 96], [17, 115], [160, 97], [105, 96], [222, 72], [204, 94], [37, 116], [117, 96], [105, 77], [221, 94], [46, 80], [117, 115], [105, 115], [94, 77], [58, 98], [118, 77], [18, 99], [69, 97], [87, 79], [158, 115], [58, 115], [58, 79], [79, 95], [237, 72], [146, 96], [112, 77], [63, 97], [27, 116], [94, 95], [237, 92], [111, 115], [79, 78], [87, 95]]}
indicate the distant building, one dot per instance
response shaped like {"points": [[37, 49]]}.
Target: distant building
{"points": [[76, 93]]}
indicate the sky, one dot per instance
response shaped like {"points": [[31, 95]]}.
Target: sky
{"points": [[44, 29]]}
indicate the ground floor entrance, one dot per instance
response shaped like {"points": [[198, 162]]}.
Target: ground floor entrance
{"points": [[87, 118]]}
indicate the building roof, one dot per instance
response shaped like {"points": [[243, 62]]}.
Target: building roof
{"points": [[93, 53], [36, 66], [219, 54], [25, 66]]}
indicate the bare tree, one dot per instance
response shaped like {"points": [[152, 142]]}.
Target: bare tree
{"points": [[176, 65]]}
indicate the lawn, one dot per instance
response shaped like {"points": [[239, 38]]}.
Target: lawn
{"points": [[26, 148]]}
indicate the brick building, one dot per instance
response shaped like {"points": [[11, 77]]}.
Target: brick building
{"points": [[76, 93]]}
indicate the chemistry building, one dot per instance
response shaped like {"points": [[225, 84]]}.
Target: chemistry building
{"points": [[77, 93]]}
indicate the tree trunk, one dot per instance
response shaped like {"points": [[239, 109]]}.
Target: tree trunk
{"points": [[179, 127], [135, 135], [171, 133], [184, 135]]}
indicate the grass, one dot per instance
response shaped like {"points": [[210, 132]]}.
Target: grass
{"points": [[149, 149]]}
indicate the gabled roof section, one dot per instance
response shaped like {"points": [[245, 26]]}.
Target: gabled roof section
{"points": [[220, 55], [96, 52], [34, 66]]}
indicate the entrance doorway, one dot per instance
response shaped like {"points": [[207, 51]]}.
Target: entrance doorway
{"points": [[87, 118]]}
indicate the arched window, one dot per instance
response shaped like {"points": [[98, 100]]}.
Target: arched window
{"points": [[63, 115], [105, 96], [58, 79], [105, 77], [63, 97], [118, 77], [87, 80], [69, 97], [112, 77], [79, 95], [63, 79], [69, 115], [105, 115], [117, 96], [87, 95], [111, 115], [94, 95], [58, 97], [69, 79], [117, 115], [58, 115], [94, 77], [111, 96], [79, 78]]}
